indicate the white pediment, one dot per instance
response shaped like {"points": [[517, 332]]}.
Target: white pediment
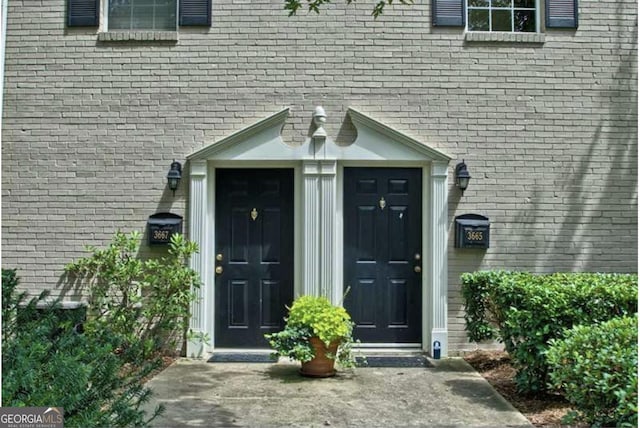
{"points": [[375, 141], [260, 141]]}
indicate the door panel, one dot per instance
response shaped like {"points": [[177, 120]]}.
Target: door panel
{"points": [[254, 233], [382, 235]]}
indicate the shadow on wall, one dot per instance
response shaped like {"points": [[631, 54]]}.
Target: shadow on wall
{"points": [[598, 189], [464, 259], [73, 288]]}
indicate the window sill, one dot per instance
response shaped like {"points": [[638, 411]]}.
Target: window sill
{"points": [[485, 36], [138, 36]]}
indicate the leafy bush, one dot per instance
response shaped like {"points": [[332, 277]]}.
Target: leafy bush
{"points": [[525, 311], [597, 369], [45, 362], [148, 300]]}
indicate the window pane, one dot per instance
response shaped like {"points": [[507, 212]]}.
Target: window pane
{"points": [[478, 20], [525, 21], [119, 14], [478, 3], [531, 4], [501, 3], [142, 14], [500, 20]]}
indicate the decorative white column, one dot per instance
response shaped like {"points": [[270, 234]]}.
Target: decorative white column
{"points": [[198, 234], [310, 229], [319, 227], [438, 257], [327, 169]]}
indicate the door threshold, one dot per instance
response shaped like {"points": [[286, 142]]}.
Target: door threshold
{"points": [[238, 355], [389, 348]]}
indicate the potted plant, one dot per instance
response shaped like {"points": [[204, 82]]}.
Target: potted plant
{"points": [[317, 333]]}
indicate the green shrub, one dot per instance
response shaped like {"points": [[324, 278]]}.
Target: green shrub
{"points": [[525, 311], [140, 299], [45, 363], [597, 368]]}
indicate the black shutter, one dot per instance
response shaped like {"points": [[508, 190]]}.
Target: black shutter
{"points": [[83, 13], [448, 13], [561, 13], [195, 12]]}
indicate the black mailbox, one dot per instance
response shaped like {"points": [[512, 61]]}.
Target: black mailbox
{"points": [[161, 226], [472, 231]]}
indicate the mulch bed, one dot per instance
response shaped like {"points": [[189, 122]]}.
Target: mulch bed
{"points": [[542, 410]]}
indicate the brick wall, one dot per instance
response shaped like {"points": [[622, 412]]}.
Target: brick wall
{"points": [[548, 130]]}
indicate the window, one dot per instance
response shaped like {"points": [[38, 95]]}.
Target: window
{"points": [[153, 15], [515, 16], [158, 15]]}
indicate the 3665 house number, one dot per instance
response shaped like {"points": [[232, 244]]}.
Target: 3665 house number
{"points": [[475, 235]]}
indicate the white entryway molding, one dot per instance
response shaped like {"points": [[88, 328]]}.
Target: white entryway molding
{"points": [[319, 163]]}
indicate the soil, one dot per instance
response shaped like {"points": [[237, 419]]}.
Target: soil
{"points": [[542, 410]]}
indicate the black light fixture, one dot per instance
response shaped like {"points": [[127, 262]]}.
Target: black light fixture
{"points": [[462, 176], [174, 176]]}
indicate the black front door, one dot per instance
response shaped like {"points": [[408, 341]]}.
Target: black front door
{"points": [[382, 255], [254, 254]]}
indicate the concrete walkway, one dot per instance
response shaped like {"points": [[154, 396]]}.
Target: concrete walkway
{"points": [[449, 394]]}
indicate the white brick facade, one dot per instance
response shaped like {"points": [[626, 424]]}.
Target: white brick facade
{"points": [[547, 128]]}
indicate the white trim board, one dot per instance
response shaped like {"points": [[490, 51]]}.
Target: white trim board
{"points": [[318, 194]]}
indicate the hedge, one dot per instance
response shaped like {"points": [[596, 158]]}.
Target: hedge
{"points": [[597, 369], [45, 362], [525, 311]]}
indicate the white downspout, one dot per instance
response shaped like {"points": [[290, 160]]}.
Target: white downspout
{"points": [[3, 42]]}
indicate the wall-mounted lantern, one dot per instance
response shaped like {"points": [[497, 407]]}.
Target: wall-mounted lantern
{"points": [[174, 176], [462, 176]]}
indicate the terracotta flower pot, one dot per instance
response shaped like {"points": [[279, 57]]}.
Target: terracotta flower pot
{"points": [[321, 365]]}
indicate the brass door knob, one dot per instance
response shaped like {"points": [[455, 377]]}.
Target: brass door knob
{"points": [[219, 257], [218, 270], [417, 269]]}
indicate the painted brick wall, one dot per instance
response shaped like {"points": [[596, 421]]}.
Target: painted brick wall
{"points": [[549, 131]]}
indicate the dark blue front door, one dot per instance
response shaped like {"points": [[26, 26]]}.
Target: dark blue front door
{"points": [[254, 254], [382, 256]]}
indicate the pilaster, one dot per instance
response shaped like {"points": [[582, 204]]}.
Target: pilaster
{"points": [[319, 227], [198, 234], [328, 226], [438, 256], [310, 228]]}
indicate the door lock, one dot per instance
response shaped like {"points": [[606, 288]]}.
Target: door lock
{"points": [[219, 257], [218, 270]]}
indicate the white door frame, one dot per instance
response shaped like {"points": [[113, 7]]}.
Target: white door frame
{"points": [[318, 202]]}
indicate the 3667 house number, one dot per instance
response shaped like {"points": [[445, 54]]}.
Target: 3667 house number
{"points": [[161, 235]]}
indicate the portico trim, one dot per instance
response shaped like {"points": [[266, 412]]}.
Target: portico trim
{"points": [[318, 204]]}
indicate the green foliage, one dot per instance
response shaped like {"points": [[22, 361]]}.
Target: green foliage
{"points": [[525, 311], [45, 362], [147, 300], [597, 368], [311, 316], [314, 5]]}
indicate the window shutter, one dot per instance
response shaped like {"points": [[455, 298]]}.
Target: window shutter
{"points": [[448, 13], [83, 13], [195, 12], [561, 13]]}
